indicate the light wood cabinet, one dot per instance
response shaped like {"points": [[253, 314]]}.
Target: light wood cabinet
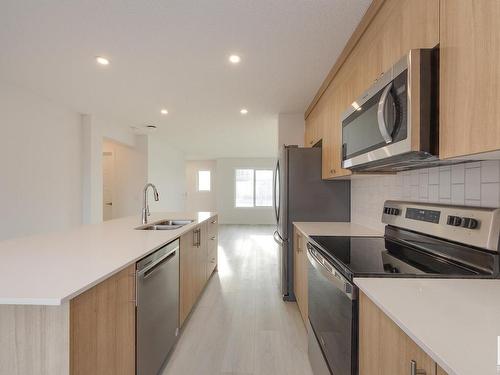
{"points": [[102, 327], [384, 349], [396, 27], [314, 129], [440, 371], [198, 259], [469, 111], [212, 246], [300, 263], [188, 275]]}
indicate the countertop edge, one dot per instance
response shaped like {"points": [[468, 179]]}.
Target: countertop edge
{"points": [[344, 228], [61, 301], [405, 329]]}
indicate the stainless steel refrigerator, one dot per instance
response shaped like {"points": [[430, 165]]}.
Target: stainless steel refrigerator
{"points": [[301, 195]]}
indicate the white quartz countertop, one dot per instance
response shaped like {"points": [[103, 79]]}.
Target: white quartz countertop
{"points": [[51, 269], [335, 229], [456, 322]]}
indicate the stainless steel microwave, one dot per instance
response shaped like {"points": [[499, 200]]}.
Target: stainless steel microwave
{"points": [[394, 124]]}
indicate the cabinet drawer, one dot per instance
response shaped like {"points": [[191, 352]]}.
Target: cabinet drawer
{"points": [[213, 227], [211, 256]]}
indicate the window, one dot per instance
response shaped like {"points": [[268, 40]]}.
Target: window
{"points": [[244, 188], [263, 188], [254, 188], [203, 180]]}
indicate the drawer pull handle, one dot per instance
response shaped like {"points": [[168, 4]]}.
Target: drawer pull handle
{"points": [[414, 370]]}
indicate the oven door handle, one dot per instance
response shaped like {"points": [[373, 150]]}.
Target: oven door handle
{"points": [[336, 279], [382, 123]]}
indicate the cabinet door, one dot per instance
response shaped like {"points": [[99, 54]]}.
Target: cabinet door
{"points": [[314, 127], [212, 246], [201, 259], [188, 279], [384, 349], [300, 273], [102, 327], [469, 111]]}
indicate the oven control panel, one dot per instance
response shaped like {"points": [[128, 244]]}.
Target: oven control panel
{"points": [[431, 216], [476, 226], [464, 222]]}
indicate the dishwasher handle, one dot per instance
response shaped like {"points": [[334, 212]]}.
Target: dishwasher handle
{"points": [[164, 259]]}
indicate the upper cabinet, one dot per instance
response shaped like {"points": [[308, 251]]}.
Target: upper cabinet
{"points": [[388, 31], [314, 130], [469, 77]]}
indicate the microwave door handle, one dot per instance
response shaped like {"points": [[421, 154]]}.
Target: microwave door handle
{"points": [[382, 124]]}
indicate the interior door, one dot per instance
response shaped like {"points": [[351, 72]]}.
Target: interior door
{"points": [[107, 185]]}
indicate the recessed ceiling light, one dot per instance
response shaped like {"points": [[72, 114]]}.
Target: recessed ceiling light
{"points": [[235, 59], [164, 111], [102, 60], [243, 111]]}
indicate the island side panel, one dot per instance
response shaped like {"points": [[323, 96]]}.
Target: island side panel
{"points": [[103, 327], [34, 340]]}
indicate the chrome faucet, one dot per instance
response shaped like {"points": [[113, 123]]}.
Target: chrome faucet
{"points": [[145, 205]]}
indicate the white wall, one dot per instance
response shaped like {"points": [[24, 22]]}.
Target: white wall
{"points": [[40, 164], [94, 130], [225, 189], [166, 169], [129, 177], [291, 129], [200, 200], [470, 184]]}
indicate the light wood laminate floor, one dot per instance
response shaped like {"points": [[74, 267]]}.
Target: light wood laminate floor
{"points": [[241, 325]]}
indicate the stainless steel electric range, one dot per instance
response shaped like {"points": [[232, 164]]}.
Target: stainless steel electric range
{"points": [[420, 240]]}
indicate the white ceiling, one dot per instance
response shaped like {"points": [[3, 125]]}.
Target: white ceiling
{"points": [[173, 54]]}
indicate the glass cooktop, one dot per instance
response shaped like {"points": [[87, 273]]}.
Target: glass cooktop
{"points": [[381, 256]]}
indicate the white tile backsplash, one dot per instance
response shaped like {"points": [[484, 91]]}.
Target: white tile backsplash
{"points": [[457, 194], [490, 171], [473, 184], [457, 174], [445, 183]]}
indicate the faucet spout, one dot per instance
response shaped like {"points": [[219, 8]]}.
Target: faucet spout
{"points": [[145, 205]]}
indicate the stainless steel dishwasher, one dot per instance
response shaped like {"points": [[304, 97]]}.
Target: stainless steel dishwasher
{"points": [[157, 307]]}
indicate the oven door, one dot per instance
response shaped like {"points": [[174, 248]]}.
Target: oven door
{"points": [[333, 317], [376, 126]]}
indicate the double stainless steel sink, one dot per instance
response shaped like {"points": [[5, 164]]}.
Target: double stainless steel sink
{"points": [[165, 225]]}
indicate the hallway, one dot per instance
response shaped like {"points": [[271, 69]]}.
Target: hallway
{"points": [[241, 326]]}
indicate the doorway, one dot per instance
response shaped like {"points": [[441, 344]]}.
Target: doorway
{"points": [[108, 164]]}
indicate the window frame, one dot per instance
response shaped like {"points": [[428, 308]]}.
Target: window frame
{"points": [[198, 181], [254, 206]]}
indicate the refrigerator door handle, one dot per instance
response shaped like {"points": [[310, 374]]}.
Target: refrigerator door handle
{"points": [[276, 197], [278, 239]]}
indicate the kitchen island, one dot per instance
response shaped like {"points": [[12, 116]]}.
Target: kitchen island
{"points": [[42, 276]]}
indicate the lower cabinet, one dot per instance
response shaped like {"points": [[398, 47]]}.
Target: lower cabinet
{"points": [[384, 349], [198, 259], [212, 245], [102, 327], [300, 264]]}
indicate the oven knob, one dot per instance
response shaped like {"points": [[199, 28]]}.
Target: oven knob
{"points": [[386, 210], [454, 220], [396, 211], [465, 222], [469, 223]]}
